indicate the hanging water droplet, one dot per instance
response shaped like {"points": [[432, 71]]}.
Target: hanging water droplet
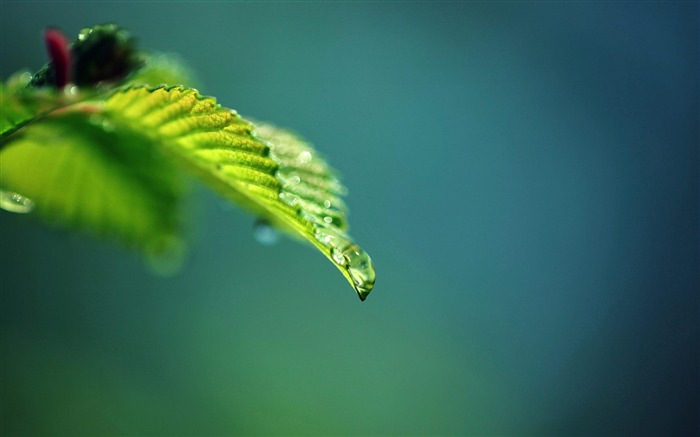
{"points": [[327, 203], [264, 233], [15, 202], [357, 264], [328, 219], [360, 269]]}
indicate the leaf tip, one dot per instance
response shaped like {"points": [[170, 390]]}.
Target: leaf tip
{"points": [[364, 289], [357, 266], [362, 294]]}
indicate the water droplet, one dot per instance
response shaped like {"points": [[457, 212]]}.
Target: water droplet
{"points": [[360, 269], [264, 233], [15, 202], [358, 265], [289, 199], [304, 157], [326, 237], [71, 92], [338, 256], [328, 219], [327, 203], [107, 126], [289, 178], [100, 121], [25, 77]]}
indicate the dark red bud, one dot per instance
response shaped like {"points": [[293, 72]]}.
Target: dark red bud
{"points": [[59, 52]]}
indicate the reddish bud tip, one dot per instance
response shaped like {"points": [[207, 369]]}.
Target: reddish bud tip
{"points": [[59, 52]]}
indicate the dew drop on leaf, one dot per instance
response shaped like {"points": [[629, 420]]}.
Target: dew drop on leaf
{"points": [[358, 265], [107, 126], [15, 202], [325, 237], [304, 158], [264, 233], [360, 269], [289, 199], [338, 256]]}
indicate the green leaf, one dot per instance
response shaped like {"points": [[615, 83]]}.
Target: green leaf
{"points": [[116, 144]]}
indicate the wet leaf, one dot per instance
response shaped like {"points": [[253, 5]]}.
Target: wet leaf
{"points": [[108, 163]]}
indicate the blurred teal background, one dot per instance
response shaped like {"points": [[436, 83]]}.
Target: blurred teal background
{"points": [[524, 175]]}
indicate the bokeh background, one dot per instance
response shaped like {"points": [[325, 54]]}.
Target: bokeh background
{"points": [[524, 175]]}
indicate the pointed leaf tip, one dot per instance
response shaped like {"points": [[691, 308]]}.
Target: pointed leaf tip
{"points": [[313, 189]]}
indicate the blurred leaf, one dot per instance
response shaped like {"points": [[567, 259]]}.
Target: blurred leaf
{"points": [[20, 106], [82, 169]]}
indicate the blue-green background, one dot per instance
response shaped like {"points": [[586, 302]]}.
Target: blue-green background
{"points": [[524, 175]]}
